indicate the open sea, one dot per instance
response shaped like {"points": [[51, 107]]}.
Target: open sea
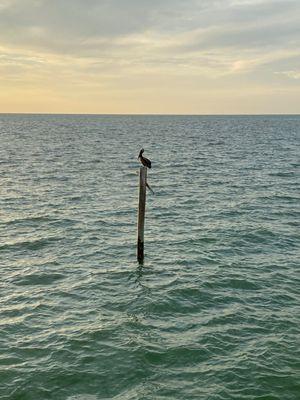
{"points": [[214, 311]]}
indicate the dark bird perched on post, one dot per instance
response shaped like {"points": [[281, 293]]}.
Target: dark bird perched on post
{"points": [[144, 160]]}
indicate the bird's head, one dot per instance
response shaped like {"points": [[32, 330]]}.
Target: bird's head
{"points": [[141, 152]]}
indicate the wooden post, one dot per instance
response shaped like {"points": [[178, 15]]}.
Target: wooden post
{"points": [[141, 215]]}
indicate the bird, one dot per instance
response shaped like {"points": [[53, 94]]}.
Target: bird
{"points": [[144, 160]]}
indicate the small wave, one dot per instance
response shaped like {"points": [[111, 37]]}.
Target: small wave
{"points": [[194, 241], [29, 220], [258, 236], [63, 222], [283, 174], [180, 301], [38, 279], [83, 397], [218, 143], [241, 284], [30, 244]]}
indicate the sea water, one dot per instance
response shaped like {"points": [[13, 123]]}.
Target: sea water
{"points": [[212, 314]]}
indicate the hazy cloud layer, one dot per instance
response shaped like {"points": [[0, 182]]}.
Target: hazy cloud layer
{"points": [[159, 47]]}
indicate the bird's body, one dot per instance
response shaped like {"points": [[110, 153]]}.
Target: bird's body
{"points": [[144, 160]]}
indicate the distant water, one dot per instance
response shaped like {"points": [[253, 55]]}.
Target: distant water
{"points": [[214, 312]]}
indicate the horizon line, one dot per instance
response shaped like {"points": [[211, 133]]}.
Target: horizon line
{"points": [[151, 114]]}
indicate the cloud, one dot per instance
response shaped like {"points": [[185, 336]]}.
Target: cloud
{"points": [[112, 43], [76, 26], [58, 22], [293, 74]]}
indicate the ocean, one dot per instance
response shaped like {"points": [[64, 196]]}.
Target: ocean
{"points": [[213, 313]]}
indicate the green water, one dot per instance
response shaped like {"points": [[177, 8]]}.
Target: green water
{"points": [[213, 314]]}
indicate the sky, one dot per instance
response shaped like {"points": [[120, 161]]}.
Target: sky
{"points": [[150, 56]]}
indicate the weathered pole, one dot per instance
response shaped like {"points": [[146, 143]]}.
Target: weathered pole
{"points": [[141, 214]]}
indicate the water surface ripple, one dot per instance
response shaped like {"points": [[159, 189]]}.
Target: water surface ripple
{"points": [[213, 314]]}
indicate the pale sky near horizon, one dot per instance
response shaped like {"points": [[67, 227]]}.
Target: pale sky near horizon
{"points": [[142, 56]]}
